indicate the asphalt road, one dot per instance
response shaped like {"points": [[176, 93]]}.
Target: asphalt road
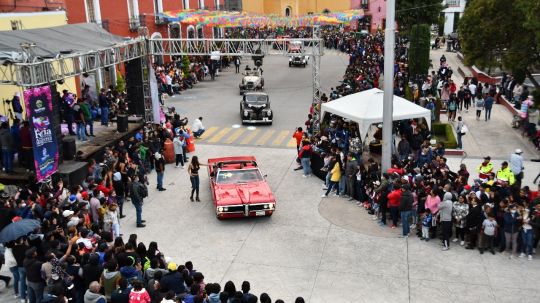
{"points": [[289, 89]]}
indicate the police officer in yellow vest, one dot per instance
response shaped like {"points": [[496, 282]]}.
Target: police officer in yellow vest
{"points": [[485, 168], [506, 174]]}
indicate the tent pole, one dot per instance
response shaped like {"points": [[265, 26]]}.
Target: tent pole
{"points": [[388, 99]]}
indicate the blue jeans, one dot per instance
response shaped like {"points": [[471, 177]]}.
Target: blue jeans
{"points": [[19, 281], [138, 210], [160, 180], [194, 185], [15, 273], [331, 186], [7, 159], [104, 116], [527, 237], [342, 185], [327, 180], [405, 221], [198, 133], [459, 143], [306, 166], [488, 113], [90, 124], [81, 131], [35, 292]]}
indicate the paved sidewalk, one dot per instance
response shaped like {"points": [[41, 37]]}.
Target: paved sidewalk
{"points": [[495, 137]]}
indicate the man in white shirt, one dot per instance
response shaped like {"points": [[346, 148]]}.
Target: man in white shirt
{"points": [[169, 84], [197, 128], [516, 165], [472, 88]]}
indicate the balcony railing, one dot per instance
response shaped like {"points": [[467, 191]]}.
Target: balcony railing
{"points": [[453, 3]]}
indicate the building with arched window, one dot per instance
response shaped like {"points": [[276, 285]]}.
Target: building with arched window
{"points": [[374, 10]]}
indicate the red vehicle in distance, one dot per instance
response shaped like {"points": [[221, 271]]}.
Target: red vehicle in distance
{"points": [[239, 189]]}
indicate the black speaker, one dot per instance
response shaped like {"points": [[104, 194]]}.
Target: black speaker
{"points": [[69, 148], [134, 87], [56, 120], [122, 123]]}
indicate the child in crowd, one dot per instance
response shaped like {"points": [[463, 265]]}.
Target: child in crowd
{"points": [[489, 227], [426, 224]]}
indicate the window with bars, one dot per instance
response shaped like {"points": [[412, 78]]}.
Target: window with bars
{"points": [[90, 10], [364, 5]]}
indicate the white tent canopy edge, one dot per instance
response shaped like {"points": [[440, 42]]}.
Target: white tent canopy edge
{"points": [[366, 109]]}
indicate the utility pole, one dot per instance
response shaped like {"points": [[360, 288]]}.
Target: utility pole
{"points": [[388, 98]]}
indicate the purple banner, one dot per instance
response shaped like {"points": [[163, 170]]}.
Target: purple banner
{"points": [[39, 110]]}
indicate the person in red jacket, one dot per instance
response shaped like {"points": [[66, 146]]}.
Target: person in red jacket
{"points": [[394, 198]]}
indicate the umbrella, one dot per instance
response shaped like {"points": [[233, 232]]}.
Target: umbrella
{"points": [[18, 229]]}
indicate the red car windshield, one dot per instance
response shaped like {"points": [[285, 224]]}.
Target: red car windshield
{"points": [[238, 176]]}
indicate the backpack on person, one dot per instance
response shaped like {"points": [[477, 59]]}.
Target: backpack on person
{"points": [[143, 191]]}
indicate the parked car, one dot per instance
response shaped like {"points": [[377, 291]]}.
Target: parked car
{"points": [[239, 189], [252, 81]]}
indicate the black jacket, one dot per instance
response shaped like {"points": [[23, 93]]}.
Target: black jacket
{"points": [[33, 270], [474, 218], [406, 201]]}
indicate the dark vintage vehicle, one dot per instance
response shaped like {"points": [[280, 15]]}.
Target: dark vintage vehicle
{"points": [[239, 189], [298, 60], [255, 108], [252, 81]]}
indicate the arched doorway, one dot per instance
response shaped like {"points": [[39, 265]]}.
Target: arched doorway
{"points": [[200, 32], [288, 11], [157, 59], [191, 32]]}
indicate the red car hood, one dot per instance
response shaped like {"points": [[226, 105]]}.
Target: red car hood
{"points": [[251, 193]]}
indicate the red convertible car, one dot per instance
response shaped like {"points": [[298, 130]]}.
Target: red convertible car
{"points": [[239, 188]]}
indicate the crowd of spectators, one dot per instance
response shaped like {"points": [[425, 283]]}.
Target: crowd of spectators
{"points": [[488, 209], [79, 253]]}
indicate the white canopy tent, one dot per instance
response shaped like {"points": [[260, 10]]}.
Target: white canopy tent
{"points": [[366, 108]]}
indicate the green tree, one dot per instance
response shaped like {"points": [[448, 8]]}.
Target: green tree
{"points": [[419, 50], [499, 32], [410, 12], [185, 64], [120, 82]]}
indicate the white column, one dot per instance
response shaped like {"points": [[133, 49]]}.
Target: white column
{"points": [[97, 11], [160, 6], [135, 8], [388, 99]]}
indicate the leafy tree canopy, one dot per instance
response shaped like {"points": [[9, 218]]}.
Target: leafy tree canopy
{"points": [[502, 32], [411, 12]]}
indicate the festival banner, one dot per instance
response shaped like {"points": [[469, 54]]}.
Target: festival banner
{"points": [[39, 109]]}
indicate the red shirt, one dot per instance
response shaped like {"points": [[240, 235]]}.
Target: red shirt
{"points": [[26, 138], [394, 198], [298, 136]]}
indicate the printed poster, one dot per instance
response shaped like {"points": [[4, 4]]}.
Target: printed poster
{"points": [[45, 146]]}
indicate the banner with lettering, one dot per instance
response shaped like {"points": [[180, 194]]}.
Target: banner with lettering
{"points": [[39, 111]]}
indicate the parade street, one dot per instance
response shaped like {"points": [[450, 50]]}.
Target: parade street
{"points": [[318, 249]]}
